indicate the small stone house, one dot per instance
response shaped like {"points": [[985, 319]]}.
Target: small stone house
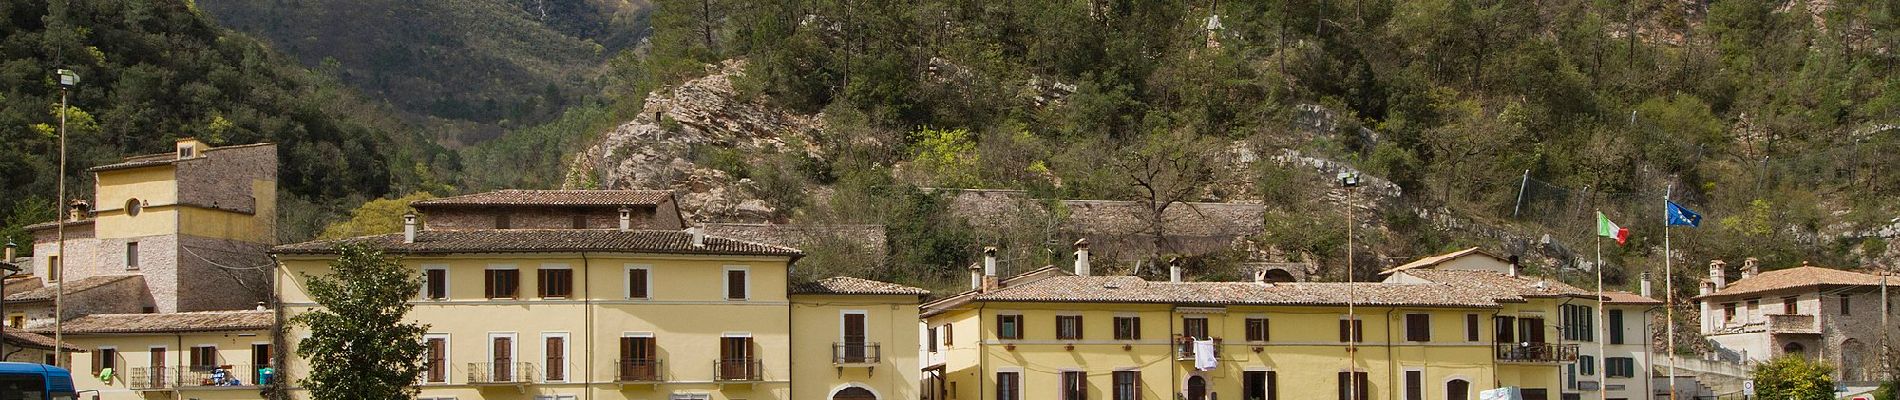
{"points": [[1829, 314], [553, 209]]}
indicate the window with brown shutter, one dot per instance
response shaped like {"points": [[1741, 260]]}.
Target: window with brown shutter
{"points": [[637, 361], [1195, 328], [502, 283], [1256, 329], [1127, 385], [556, 351], [637, 283], [204, 358], [736, 284], [1531, 329], [437, 281], [948, 336], [1414, 385], [105, 358], [438, 363], [504, 359], [930, 340], [1075, 385], [1352, 330], [1069, 327], [1127, 328], [555, 282], [1504, 329], [1009, 326], [735, 359], [1353, 386], [1471, 327], [1418, 327]]}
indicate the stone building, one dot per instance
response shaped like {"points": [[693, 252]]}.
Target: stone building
{"points": [[1125, 230], [1829, 314], [552, 209]]}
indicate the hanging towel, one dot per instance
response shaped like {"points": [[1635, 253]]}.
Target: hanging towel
{"points": [[1204, 355]]}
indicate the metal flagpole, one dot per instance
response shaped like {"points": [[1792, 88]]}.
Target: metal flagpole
{"points": [[1603, 390], [1669, 293]]}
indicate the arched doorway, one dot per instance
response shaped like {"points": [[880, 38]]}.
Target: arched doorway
{"points": [[1458, 389], [1854, 361], [1793, 349], [1197, 388], [1278, 275], [854, 393]]}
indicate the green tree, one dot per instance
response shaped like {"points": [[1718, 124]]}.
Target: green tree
{"points": [[360, 345], [1794, 378], [375, 217]]}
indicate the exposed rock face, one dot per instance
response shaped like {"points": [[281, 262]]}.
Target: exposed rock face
{"points": [[656, 149]]}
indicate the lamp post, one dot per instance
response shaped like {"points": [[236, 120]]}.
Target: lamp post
{"points": [[67, 81], [1350, 181]]}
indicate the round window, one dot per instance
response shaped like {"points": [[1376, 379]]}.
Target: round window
{"points": [[132, 207]]}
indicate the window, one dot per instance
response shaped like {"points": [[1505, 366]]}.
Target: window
{"points": [[186, 151], [736, 284], [1531, 329], [16, 321], [555, 352], [1414, 385], [260, 356], [1790, 305], [502, 283], [1619, 367], [1069, 327], [1418, 327], [1352, 330], [637, 359], [1353, 386], [131, 255], [1616, 326], [502, 221], [1504, 328], [949, 336], [105, 357], [1754, 307], [1127, 385], [930, 340], [1587, 365], [639, 284], [435, 283], [133, 206], [1471, 327], [1578, 321], [1195, 327], [436, 359], [204, 358], [1075, 386], [735, 359], [1728, 312], [1009, 386], [1009, 326], [1458, 389], [555, 282], [1257, 329], [1845, 310], [579, 221], [1259, 385], [1128, 328], [502, 353], [53, 268]]}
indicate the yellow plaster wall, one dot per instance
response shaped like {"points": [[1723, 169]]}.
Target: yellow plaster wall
{"points": [[234, 348], [890, 322], [156, 187], [255, 228]]}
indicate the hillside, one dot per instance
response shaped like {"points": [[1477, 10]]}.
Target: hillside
{"points": [[1501, 125], [156, 70]]}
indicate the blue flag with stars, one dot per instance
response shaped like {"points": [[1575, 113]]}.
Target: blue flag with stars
{"points": [[1681, 216]]}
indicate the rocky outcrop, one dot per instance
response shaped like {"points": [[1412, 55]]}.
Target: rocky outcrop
{"points": [[658, 148]]}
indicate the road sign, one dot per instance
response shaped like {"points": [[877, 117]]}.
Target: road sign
{"points": [[1748, 387]]}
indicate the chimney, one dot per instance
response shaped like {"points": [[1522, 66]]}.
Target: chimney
{"points": [[1174, 270], [1718, 273], [1750, 267], [976, 277], [1259, 276], [189, 147], [1645, 290], [699, 236], [78, 209], [989, 261], [260, 306], [626, 219], [1707, 288], [1082, 257], [1513, 265], [409, 227], [10, 248]]}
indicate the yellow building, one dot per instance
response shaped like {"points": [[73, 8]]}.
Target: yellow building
{"points": [[1056, 334], [190, 355], [630, 314]]}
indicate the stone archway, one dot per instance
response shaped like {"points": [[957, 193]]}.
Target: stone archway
{"points": [[1794, 349], [1854, 361], [1277, 275]]}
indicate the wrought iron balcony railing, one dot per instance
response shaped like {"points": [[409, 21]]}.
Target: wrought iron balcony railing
{"points": [[641, 370], [1184, 348], [489, 373], [856, 353], [1536, 352], [738, 370]]}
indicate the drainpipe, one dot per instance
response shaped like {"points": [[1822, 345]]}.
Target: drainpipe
{"points": [[1392, 364], [587, 303]]}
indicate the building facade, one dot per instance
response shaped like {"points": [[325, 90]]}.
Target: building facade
{"points": [[1828, 314]]}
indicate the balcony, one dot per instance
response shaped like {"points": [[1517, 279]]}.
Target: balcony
{"points": [[199, 377], [1793, 323], [498, 374], [738, 370], [640, 371], [856, 354], [1536, 352], [152, 378], [1184, 349]]}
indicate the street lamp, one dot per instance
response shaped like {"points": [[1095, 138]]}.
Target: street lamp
{"points": [[1349, 181], [67, 81]]}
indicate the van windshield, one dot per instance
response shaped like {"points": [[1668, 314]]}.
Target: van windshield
{"points": [[22, 387]]}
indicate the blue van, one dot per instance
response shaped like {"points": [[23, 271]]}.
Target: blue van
{"points": [[29, 381]]}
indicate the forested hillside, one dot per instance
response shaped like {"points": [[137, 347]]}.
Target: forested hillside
{"points": [[1775, 119], [157, 70]]}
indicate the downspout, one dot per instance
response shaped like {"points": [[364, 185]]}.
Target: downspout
{"points": [[982, 357], [177, 378], [1649, 359], [279, 345], [791, 385], [1391, 363], [1174, 367], [1493, 351], [587, 303]]}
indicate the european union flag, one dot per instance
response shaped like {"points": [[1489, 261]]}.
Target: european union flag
{"points": [[1681, 216]]}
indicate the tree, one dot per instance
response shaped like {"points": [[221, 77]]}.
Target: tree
{"points": [[1167, 168], [360, 346], [375, 217], [1794, 378]]}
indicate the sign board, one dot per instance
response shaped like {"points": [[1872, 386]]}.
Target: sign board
{"points": [[1503, 393], [1748, 387], [1587, 385]]}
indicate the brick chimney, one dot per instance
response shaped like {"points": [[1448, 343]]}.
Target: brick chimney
{"points": [[1718, 274], [1082, 257], [1750, 267]]}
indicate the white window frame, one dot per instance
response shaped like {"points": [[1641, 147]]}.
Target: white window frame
{"points": [[627, 292], [570, 281], [518, 279], [447, 282], [514, 347], [1424, 382], [448, 358], [726, 277], [567, 373]]}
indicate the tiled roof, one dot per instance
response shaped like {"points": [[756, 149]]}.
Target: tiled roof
{"points": [[147, 160], [1428, 262], [21, 338], [1129, 289], [1505, 285], [199, 321], [850, 285], [869, 239], [1627, 298], [45, 293], [547, 240], [49, 225], [1797, 277], [584, 198]]}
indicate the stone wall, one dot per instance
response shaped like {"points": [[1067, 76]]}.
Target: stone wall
{"points": [[221, 179], [83, 258], [218, 274], [551, 217], [1860, 325], [127, 296]]}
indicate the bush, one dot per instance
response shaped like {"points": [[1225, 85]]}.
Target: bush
{"points": [[1794, 378]]}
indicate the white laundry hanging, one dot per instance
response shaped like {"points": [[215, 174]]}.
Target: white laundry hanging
{"points": [[1204, 355]]}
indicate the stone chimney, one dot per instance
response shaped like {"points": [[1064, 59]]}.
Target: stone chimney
{"points": [[1514, 263], [699, 236], [1645, 285], [10, 248], [1750, 267], [78, 209], [626, 219], [1718, 273], [1082, 257], [989, 279], [409, 227], [1174, 270], [1707, 288]]}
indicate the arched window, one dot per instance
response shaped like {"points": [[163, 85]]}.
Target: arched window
{"points": [[854, 393], [1793, 348], [132, 207], [1458, 389], [1196, 388]]}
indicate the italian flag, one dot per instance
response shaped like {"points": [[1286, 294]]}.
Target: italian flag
{"points": [[1608, 229]]}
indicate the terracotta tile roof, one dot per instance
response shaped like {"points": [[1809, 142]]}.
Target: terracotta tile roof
{"points": [[1504, 287], [1128, 289], [147, 160], [582, 198], [546, 241], [45, 293], [850, 285], [199, 321], [49, 225], [868, 239], [1428, 262], [1797, 277], [26, 339], [1627, 298]]}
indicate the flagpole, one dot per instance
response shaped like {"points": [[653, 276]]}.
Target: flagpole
{"points": [[1669, 293], [1603, 391]]}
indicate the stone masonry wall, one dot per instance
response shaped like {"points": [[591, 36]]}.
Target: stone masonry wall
{"points": [[221, 179], [469, 218], [218, 274], [1861, 325]]}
